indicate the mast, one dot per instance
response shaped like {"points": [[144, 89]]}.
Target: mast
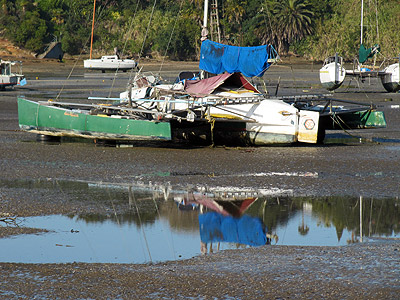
{"points": [[362, 20], [205, 18], [204, 30], [91, 39], [214, 22]]}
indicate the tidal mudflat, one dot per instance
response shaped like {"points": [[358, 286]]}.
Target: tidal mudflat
{"points": [[305, 180]]}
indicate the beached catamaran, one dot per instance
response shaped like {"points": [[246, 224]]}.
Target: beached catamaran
{"points": [[221, 108], [333, 73]]}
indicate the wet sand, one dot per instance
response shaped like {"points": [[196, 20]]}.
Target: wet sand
{"points": [[369, 168]]}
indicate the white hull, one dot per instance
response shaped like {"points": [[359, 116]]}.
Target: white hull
{"points": [[8, 80], [391, 78], [109, 63], [268, 121], [275, 122], [332, 76]]}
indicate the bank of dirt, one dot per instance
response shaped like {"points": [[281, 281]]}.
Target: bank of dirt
{"points": [[368, 168]]}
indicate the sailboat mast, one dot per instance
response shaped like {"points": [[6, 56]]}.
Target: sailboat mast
{"points": [[205, 13], [362, 20], [91, 39]]}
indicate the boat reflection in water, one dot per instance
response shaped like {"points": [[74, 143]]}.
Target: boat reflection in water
{"points": [[142, 223], [224, 220]]}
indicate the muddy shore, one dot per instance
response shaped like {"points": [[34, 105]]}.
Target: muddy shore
{"points": [[365, 165]]}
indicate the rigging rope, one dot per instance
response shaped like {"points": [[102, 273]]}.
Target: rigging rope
{"points": [[339, 121], [147, 30], [170, 37], [124, 47], [77, 60]]}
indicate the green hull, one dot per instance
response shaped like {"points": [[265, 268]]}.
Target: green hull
{"points": [[355, 120], [55, 121]]}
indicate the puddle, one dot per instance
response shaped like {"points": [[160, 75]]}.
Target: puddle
{"points": [[145, 223]]}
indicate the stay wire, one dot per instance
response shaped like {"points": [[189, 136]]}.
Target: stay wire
{"points": [[141, 50], [170, 37], [339, 121], [147, 30], [78, 59], [124, 47]]}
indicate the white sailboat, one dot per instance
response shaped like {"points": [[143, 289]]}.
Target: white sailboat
{"points": [[107, 62], [332, 73]]}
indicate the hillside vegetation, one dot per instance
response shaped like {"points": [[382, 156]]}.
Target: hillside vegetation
{"points": [[313, 29]]}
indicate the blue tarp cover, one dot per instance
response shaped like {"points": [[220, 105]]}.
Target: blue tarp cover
{"points": [[245, 230], [217, 58]]}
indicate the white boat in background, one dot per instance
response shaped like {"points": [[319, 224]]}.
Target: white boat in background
{"points": [[109, 63], [332, 73], [8, 78]]}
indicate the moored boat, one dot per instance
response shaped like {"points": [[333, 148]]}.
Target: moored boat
{"points": [[332, 73], [9, 78], [109, 63]]}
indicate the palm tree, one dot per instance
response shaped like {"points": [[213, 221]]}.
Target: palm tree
{"points": [[292, 22]]}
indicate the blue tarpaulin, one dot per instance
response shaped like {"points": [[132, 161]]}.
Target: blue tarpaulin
{"points": [[245, 230], [218, 58]]}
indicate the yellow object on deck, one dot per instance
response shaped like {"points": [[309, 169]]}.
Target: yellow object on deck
{"points": [[226, 116]]}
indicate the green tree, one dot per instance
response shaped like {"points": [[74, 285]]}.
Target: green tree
{"points": [[32, 32], [178, 41], [233, 14]]}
